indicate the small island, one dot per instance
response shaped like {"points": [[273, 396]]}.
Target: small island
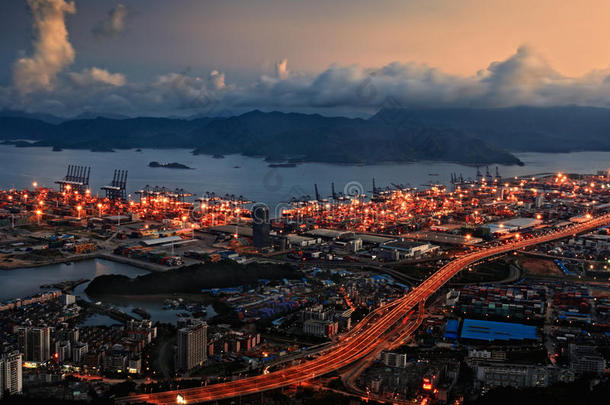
{"points": [[191, 279], [282, 165], [169, 165], [104, 149]]}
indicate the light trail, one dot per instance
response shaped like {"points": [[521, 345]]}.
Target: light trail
{"points": [[363, 340]]}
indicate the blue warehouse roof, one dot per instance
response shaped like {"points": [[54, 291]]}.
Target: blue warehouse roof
{"points": [[451, 329], [489, 330]]}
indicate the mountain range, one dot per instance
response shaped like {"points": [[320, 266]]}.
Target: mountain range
{"points": [[465, 135]]}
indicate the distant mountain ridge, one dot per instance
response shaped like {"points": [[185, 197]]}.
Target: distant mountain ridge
{"points": [[465, 135], [519, 129]]}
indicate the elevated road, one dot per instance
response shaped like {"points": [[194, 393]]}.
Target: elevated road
{"points": [[365, 338]]}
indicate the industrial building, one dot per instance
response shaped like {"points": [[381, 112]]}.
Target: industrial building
{"points": [[402, 249], [586, 360], [320, 328], [512, 375], [513, 225], [492, 331]]}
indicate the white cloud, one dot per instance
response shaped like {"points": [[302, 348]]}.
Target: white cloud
{"points": [[52, 50], [41, 84], [113, 24], [96, 75], [281, 69], [217, 79]]}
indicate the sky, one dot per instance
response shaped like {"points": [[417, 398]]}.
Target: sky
{"points": [[348, 57]]}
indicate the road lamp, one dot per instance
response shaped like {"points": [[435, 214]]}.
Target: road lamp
{"points": [[78, 209], [38, 215], [99, 210]]}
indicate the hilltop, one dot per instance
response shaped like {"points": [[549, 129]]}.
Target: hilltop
{"points": [[462, 135]]}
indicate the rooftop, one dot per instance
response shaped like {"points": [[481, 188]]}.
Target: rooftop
{"points": [[491, 330]]}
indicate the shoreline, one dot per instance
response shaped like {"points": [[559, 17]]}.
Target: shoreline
{"points": [[195, 152], [151, 267]]}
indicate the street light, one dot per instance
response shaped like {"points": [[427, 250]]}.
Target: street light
{"points": [[38, 214], [79, 208]]}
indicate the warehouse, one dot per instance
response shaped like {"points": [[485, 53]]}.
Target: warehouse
{"points": [[513, 225], [490, 331], [161, 241], [401, 249]]}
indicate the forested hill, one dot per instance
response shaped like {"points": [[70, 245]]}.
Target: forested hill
{"points": [[472, 136]]}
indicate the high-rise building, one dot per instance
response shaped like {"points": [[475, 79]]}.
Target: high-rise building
{"points": [[67, 299], [261, 226], [35, 343], [79, 350], [10, 373], [63, 349], [192, 343]]}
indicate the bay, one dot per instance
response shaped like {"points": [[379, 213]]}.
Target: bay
{"points": [[25, 282], [252, 177]]}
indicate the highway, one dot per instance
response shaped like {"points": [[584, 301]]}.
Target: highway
{"points": [[375, 330]]}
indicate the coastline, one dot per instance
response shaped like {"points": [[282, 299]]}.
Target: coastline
{"points": [[90, 256]]}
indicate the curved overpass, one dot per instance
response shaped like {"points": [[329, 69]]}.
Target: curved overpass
{"points": [[363, 339]]}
